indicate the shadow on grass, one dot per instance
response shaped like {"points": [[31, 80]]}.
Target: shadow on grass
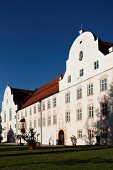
{"points": [[70, 162]]}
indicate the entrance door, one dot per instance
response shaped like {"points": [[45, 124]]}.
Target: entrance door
{"points": [[61, 137]]}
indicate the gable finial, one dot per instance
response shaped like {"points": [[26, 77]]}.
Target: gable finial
{"points": [[81, 29]]}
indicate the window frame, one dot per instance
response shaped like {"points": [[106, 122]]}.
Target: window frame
{"points": [[103, 84], [67, 97], [79, 93], [79, 114], [96, 64], [67, 116], [79, 133], [90, 111], [90, 89]]}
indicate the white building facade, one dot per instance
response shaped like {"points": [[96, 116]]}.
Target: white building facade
{"points": [[78, 103], [11, 101]]}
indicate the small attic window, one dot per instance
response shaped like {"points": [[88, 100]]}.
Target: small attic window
{"points": [[80, 42], [80, 55]]}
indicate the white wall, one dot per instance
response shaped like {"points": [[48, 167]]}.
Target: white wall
{"points": [[8, 104]]}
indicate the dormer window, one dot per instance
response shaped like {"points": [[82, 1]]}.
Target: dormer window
{"points": [[96, 65], [69, 79], [81, 73], [80, 55]]}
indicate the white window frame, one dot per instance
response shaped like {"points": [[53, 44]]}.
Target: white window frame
{"points": [[90, 133], [67, 97], [79, 114], [48, 104], [49, 120], [35, 123], [79, 93], [67, 116], [103, 84], [39, 107], [90, 89], [43, 106], [69, 79], [30, 111], [54, 102], [54, 119], [91, 111], [79, 133], [34, 109], [25, 113], [96, 64], [81, 72]]}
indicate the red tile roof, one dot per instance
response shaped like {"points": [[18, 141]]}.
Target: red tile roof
{"points": [[20, 95], [43, 92]]}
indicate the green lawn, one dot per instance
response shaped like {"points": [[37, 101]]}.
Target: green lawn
{"points": [[56, 158]]}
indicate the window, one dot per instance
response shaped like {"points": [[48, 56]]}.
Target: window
{"points": [[90, 133], [96, 65], [48, 104], [39, 107], [79, 133], [81, 72], [104, 109], [67, 97], [43, 106], [35, 123], [21, 114], [25, 113], [4, 117], [103, 84], [44, 121], [104, 133], [79, 114], [91, 112], [10, 114], [54, 102], [89, 89], [34, 109], [67, 116], [69, 79], [79, 93], [54, 119], [80, 54], [30, 111], [30, 124], [49, 120]]}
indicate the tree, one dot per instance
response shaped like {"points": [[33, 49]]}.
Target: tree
{"points": [[104, 125], [30, 138], [73, 140]]}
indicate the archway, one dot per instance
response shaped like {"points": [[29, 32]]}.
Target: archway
{"points": [[61, 137]]}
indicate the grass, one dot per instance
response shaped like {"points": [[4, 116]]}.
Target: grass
{"points": [[57, 158]]}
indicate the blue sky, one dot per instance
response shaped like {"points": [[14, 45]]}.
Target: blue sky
{"points": [[36, 36]]}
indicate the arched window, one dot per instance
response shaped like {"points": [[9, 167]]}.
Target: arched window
{"points": [[80, 55]]}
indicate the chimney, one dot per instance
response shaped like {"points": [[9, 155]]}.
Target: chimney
{"points": [[111, 49]]}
